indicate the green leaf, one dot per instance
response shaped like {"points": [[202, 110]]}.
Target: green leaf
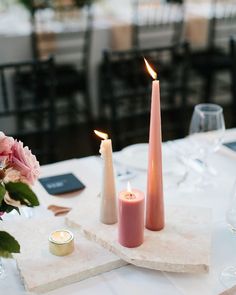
{"points": [[8, 244], [5, 254], [22, 192], [2, 192], [4, 207]]}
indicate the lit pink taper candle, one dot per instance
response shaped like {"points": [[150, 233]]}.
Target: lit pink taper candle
{"points": [[154, 202], [131, 218]]}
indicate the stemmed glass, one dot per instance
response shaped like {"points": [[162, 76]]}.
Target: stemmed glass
{"points": [[206, 132], [184, 153], [228, 275]]}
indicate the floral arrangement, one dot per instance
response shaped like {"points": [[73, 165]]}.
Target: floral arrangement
{"points": [[18, 171]]}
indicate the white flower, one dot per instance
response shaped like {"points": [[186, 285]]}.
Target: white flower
{"points": [[12, 175], [11, 201]]}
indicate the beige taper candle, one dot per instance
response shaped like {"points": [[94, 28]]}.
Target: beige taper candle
{"points": [[108, 208]]}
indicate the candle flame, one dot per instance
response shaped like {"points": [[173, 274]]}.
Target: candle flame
{"points": [[150, 70], [101, 134], [129, 187]]}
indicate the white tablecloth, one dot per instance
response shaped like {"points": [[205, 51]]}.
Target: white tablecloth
{"points": [[131, 279]]}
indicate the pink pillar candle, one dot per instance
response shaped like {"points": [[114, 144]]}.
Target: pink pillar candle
{"points": [[154, 202], [131, 218]]}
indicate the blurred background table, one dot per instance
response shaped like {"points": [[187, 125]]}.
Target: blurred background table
{"points": [[83, 95], [112, 29]]}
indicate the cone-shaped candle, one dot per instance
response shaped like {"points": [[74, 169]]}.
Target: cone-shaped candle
{"points": [[108, 207], [154, 200]]}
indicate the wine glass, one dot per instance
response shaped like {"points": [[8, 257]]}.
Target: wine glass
{"points": [[183, 151], [206, 132], [228, 275]]}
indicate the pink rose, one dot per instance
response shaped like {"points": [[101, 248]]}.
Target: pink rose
{"points": [[6, 144], [1, 213], [26, 163]]}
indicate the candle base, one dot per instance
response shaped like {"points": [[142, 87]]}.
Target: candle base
{"points": [[155, 219], [130, 245], [61, 250], [108, 221], [154, 228], [108, 211]]}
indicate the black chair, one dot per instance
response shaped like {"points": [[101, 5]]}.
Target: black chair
{"points": [[71, 50], [34, 103], [156, 24], [125, 92], [207, 63]]}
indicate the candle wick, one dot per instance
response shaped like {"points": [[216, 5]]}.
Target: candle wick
{"points": [[130, 196]]}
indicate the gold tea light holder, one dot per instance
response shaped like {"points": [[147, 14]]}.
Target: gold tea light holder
{"points": [[61, 242]]}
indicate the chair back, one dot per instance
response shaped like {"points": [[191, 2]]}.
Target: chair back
{"points": [[27, 105], [125, 92], [222, 24], [157, 24], [62, 28]]}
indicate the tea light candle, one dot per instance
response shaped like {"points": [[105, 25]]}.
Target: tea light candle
{"points": [[61, 242], [131, 218]]}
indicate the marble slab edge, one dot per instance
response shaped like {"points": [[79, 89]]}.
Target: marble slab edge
{"points": [[230, 291], [180, 248], [197, 268], [86, 274]]}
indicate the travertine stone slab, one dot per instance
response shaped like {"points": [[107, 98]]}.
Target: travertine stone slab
{"points": [[231, 291], [182, 246], [41, 271]]}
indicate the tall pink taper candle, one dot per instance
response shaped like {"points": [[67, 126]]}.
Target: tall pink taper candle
{"points": [[108, 207], [154, 202]]}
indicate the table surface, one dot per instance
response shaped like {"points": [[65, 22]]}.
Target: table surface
{"points": [[131, 279]]}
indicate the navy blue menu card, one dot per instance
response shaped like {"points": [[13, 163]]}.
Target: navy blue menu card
{"points": [[231, 145], [61, 184]]}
